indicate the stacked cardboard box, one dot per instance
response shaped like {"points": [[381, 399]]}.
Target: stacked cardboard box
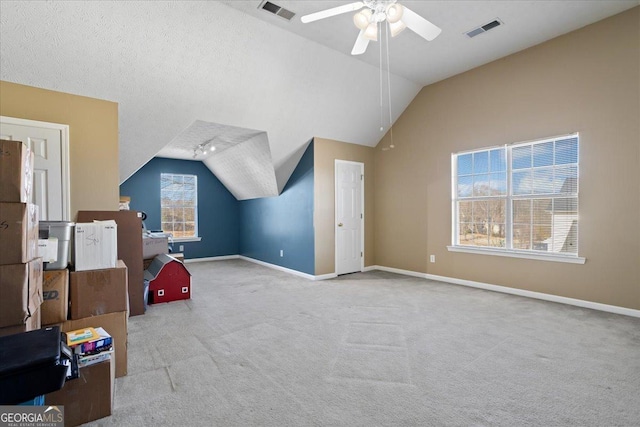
{"points": [[20, 267]]}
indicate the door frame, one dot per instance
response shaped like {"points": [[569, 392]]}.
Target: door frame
{"points": [[64, 156], [335, 214]]}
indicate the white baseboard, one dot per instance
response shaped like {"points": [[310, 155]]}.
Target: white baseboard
{"points": [[514, 291], [399, 271], [288, 270], [211, 258], [539, 295]]}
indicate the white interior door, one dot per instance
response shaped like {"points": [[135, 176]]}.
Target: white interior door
{"points": [[349, 216], [49, 142]]}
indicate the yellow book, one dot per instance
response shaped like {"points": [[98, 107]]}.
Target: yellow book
{"points": [[81, 335]]}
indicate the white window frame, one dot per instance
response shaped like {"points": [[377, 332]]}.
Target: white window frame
{"points": [[196, 237], [509, 197]]}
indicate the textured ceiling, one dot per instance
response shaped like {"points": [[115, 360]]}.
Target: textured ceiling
{"points": [[526, 23], [240, 158], [171, 64]]}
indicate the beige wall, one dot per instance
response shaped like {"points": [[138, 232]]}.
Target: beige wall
{"points": [[325, 153], [93, 139], [586, 81]]}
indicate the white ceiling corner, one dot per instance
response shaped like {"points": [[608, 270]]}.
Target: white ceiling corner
{"points": [[176, 64]]}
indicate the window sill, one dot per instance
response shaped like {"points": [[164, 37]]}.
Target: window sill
{"points": [[517, 254], [186, 239]]}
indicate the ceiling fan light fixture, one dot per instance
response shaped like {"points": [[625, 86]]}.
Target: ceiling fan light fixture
{"points": [[372, 32], [361, 19], [394, 12], [396, 27]]}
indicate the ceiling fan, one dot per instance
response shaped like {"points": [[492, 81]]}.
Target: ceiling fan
{"points": [[374, 12]]}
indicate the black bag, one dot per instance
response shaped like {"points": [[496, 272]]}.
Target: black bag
{"points": [[32, 364]]}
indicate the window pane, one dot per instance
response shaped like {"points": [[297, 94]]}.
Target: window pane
{"points": [[566, 180], [566, 151], [521, 236], [465, 211], [167, 214], [498, 184], [498, 161], [522, 212], [189, 214], [480, 212], [465, 186], [480, 237], [481, 162], [543, 181], [165, 181], [541, 238], [565, 225], [543, 154], [481, 185], [190, 229], [167, 227], [465, 234], [521, 157], [465, 164], [496, 223], [496, 211], [522, 182], [541, 211]]}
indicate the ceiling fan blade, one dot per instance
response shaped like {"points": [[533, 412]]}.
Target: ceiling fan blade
{"points": [[332, 12], [419, 25], [361, 44]]}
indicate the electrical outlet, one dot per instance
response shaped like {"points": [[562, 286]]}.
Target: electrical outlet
{"points": [[281, 252], [432, 258], [181, 248]]}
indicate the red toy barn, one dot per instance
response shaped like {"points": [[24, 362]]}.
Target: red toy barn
{"points": [[169, 280]]}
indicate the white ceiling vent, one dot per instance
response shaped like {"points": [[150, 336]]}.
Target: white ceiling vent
{"points": [[276, 10], [484, 28]]}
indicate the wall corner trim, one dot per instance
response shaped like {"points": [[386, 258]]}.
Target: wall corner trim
{"points": [[519, 292]]}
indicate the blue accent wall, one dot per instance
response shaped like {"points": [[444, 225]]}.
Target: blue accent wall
{"points": [[218, 210], [271, 224]]}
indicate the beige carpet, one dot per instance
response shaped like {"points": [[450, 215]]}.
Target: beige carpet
{"points": [[257, 347]]}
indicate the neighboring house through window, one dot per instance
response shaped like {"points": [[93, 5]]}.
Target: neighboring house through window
{"points": [[179, 205], [520, 198]]}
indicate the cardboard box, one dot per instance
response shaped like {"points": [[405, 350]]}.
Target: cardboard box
{"points": [[88, 397], [152, 246], [129, 250], [116, 325], [55, 295], [18, 233], [96, 292], [20, 292], [96, 245], [31, 324], [16, 172]]}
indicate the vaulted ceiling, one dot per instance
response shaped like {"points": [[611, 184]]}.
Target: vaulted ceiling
{"points": [[207, 65]]}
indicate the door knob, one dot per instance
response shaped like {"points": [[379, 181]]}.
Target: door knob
{"points": [[340, 224]]}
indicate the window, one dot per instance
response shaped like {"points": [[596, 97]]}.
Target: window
{"points": [[520, 198], [179, 205]]}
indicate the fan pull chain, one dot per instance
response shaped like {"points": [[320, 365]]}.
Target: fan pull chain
{"points": [[389, 87], [380, 68]]}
